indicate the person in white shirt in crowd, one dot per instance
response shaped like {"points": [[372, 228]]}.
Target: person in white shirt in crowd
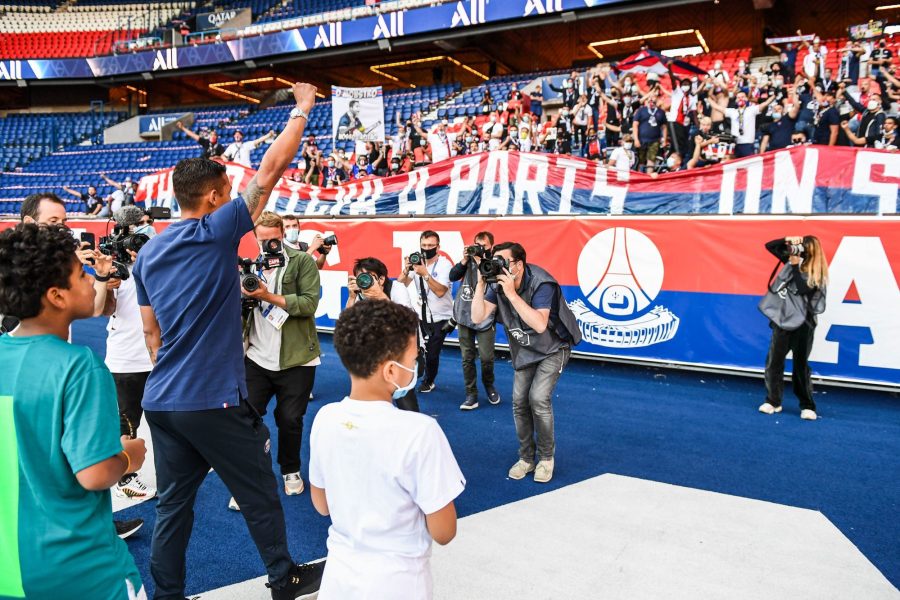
{"points": [[128, 359], [430, 275], [127, 187], [681, 113], [387, 478], [291, 225], [441, 142], [623, 157], [718, 73], [240, 151], [743, 121], [814, 61]]}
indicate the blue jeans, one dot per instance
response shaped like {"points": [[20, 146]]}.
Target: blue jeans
{"points": [[533, 407]]}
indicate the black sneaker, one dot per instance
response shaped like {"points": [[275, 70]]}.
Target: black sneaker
{"points": [[302, 580], [470, 403], [493, 396], [126, 528], [427, 386]]}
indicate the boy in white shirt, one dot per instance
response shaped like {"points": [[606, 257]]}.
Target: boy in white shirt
{"points": [[386, 477]]}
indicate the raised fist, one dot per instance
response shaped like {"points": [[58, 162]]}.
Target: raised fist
{"points": [[305, 94]]}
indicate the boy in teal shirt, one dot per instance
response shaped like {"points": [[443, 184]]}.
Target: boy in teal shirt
{"points": [[60, 449]]}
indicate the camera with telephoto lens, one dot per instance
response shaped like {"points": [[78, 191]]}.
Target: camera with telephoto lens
{"points": [[490, 269], [796, 249], [331, 240], [120, 242], [449, 326], [364, 281], [475, 250], [416, 258]]}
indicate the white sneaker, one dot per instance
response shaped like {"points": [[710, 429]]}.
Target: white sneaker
{"points": [[233, 505], [520, 469], [544, 471], [293, 484], [768, 409], [809, 415], [132, 487]]}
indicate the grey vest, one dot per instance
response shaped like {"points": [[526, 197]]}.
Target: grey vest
{"points": [[526, 345], [462, 304]]}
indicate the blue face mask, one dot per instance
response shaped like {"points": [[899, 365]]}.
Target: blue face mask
{"points": [[291, 235], [147, 230], [402, 391]]}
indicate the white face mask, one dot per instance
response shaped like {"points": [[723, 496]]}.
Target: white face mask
{"points": [[627, 145], [685, 88], [872, 105]]}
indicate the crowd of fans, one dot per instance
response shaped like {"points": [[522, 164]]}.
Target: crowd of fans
{"points": [[633, 121]]}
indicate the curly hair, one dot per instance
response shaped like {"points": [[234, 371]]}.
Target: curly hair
{"points": [[33, 258], [369, 333]]}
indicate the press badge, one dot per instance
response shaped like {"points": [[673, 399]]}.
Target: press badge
{"points": [[275, 315]]}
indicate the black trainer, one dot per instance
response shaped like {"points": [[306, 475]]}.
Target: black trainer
{"points": [[303, 580], [126, 528], [493, 396], [427, 386], [470, 403]]}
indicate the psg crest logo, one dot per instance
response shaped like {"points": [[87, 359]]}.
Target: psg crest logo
{"points": [[620, 272]]}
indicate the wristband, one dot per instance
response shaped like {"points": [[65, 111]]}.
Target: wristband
{"points": [[128, 463], [102, 279]]}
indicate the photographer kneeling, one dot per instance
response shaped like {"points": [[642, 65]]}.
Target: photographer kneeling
{"points": [[370, 282], [283, 347], [792, 304], [542, 331]]}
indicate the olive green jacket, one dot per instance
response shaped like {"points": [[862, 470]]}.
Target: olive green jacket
{"points": [[300, 288]]}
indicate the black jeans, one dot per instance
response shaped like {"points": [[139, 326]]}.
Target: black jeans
{"points": [[291, 388], [799, 342], [235, 442], [485, 351], [130, 393], [434, 341]]}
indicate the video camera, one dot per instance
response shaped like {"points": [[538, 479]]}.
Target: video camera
{"points": [[490, 269]]}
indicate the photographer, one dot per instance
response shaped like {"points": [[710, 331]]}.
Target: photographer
{"points": [[128, 361], [282, 345], [469, 330], [431, 276], [542, 331], [196, 396], [379, 287], [804, 275], [291, 224]]}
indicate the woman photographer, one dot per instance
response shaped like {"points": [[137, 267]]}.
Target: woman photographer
{"points": [[805, 274], [377, 286]]}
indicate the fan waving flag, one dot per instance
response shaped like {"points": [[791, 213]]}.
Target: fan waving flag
{"points": [[645, 61], [682, 68]]}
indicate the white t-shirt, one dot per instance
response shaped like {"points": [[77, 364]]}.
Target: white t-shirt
{"points": [[116, 200], [126, 351], [441, 148], [621, 159], [383, 470], [439, 308], [240, 153], [809, 62], [400, 295], [747, 121]]}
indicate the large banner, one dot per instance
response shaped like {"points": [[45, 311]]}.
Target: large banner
{"points": [[672, 290], [257, 43], [802, 180], [357, 114]]}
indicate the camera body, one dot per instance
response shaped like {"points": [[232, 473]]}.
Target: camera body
{"points": [[475, 250], [796, 249], [490, 269], [120, 241]]}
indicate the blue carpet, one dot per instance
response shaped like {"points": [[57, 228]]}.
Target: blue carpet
{"points": [[695, 430]]}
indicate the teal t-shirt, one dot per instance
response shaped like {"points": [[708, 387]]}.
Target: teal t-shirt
{"points": [[58, 415]]}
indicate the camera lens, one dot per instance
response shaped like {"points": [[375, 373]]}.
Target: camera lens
{"points": [[272, 246], [364, 281], [331, 240], [250, 282], [415, 258]]}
